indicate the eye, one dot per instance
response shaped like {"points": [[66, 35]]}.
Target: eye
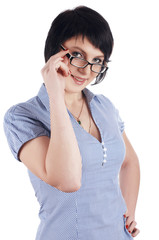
{"points": [[76, 54], [98, 60]]}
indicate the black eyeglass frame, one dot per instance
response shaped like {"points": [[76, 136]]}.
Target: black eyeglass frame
{"points": [[88, 63]]}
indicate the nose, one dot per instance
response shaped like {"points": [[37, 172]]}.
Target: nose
{"points": [[85, 71]]}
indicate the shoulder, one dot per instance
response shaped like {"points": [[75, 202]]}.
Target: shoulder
{"points": [[97, 98], [103, 98], [105, 101], [25, 118], [29, 108], [23, 122], [111, 110]]}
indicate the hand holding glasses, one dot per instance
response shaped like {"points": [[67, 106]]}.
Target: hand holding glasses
{"points": [[82, 63]]}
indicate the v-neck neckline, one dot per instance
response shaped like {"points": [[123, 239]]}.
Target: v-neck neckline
{"points": [[80, 127]]}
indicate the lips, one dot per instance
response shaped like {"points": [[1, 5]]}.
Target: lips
{"points": [[78, 80]]}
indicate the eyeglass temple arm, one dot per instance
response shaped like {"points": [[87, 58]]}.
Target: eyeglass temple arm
{"points": [[68, 55]]}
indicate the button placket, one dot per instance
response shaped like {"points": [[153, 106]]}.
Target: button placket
{"points": [[104, 153]]}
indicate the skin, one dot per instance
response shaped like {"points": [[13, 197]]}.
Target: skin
{"points": [[87, 51], [129, 183], [64, 87]]}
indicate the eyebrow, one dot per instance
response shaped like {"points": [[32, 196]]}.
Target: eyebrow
{"points": [[102, 56]]}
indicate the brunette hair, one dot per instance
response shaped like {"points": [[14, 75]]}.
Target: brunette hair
{"points": [[80, 21]]}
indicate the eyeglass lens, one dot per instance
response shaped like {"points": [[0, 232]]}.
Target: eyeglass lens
{"points": [[81, 63]]}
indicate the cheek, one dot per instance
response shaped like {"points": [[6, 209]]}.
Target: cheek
{"points": [[93, 76], [91, 79], [75, 71], [72, 69]]}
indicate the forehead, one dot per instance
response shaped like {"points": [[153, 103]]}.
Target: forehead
{"points": [[84, 44]]}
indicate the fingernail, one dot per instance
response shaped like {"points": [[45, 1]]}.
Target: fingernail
{"points": [[124, 216], [129, 231], [66, 49], [127, 226]]}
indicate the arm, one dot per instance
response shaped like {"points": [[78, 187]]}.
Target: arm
{"points": [[129, 182], [57, 160], [63, 159]]}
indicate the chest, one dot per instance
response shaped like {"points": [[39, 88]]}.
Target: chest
{"points": [[94, 131], [88, 123]]}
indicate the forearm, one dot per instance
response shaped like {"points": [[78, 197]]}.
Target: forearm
{"points": [[63, 160], [129, 183]]}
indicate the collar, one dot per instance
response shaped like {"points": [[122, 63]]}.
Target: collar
{"points": [[43, 96]]}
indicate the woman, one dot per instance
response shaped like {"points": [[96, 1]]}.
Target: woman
{"points": [[73, 141]]}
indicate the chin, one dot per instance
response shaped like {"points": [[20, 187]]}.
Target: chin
{"points": [[75, 88]]}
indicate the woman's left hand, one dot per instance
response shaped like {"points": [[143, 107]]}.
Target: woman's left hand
{"points": [[131, 224]]}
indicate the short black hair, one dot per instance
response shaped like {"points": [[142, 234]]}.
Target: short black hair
{"points": [[81, 21]]}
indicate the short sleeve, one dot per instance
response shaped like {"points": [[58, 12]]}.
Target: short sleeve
{"points": [[109, 105], [120, 122], [20, 126]]}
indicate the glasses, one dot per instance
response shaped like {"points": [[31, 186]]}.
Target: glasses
{"points": [[82, 63]]}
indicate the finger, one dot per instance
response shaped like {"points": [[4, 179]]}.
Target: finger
{"points": [[66, 60], [53, 60], [132, 226], [129, 220], [126, 214], [56, 56], [62, 68], [135, 232], [51, 63], [60, 54]]}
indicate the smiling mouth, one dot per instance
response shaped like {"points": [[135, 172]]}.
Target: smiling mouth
{"points": [[79, 79]]}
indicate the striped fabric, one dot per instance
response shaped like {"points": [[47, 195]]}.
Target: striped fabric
{"points": [[95, 211]]}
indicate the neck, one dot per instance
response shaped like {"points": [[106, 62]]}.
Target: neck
{"points": [[73, 98]]}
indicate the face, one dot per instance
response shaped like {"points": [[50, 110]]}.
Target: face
{"points": [[81, 77]]}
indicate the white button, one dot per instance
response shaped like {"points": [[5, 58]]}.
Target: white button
{"points": [[104, 149], [104, 161], [105, 155], [102, 143]]}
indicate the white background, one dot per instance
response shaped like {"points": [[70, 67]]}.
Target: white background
{"points": [[131, 84]]}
